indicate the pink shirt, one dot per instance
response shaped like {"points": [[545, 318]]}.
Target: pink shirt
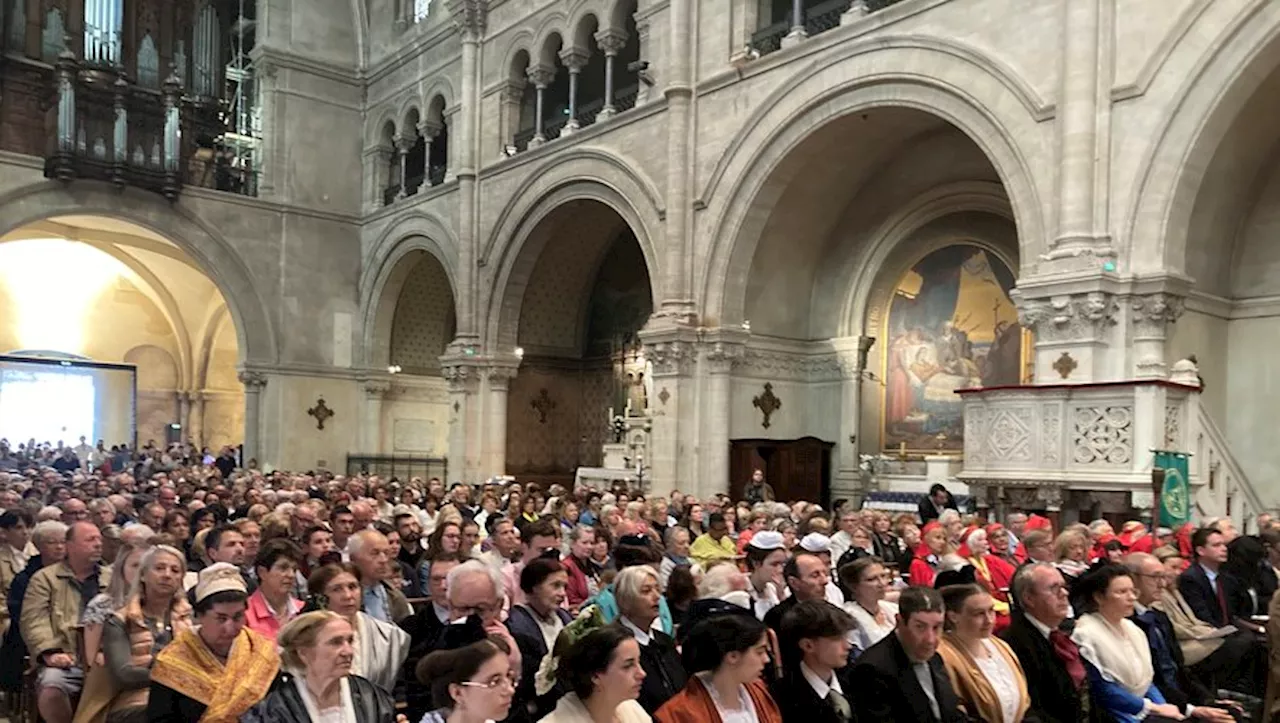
{"points": [[259, 617]]}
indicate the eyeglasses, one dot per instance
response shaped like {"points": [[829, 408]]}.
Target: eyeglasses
{"points": [[498, 682]]}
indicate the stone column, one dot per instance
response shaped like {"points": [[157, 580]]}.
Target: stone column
{"points": [[404, 144], [471, 18], [857, 10], [463, 378], [797, 33], [611, 42], [371, 431], [575, 59], [512, 97], [1152, 316], [541, 76], [725, 352], [498, 381], [253, 384], [184, 410], [429, 130], [677, 301], [195, 420], [672, 351], [646, 51], [853, 367]]}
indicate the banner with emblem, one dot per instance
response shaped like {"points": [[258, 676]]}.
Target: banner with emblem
{"points": [[1175, 494]]}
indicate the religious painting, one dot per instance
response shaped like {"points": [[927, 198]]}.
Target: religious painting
{"points": [[951, 325]]}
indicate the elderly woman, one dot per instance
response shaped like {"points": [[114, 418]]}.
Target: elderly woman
{"points": [[1116, 653], [316, 684], [726, 655], [991, 572], [472, 684], [380, 647], [1071, 553], [639, 595], [868, 582], [888, 546], [984, 671], [216, 672], [603, 675], [928, 556], [155, 609]]}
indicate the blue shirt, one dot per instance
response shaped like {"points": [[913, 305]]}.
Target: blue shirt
{"points": [[375, 603]]}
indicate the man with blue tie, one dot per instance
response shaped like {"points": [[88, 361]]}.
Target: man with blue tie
{"points": [[1178, 688]]}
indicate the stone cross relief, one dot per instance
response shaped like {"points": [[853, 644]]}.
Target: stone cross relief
{"points": [[767, 403], [543, 404], [321, 412]]}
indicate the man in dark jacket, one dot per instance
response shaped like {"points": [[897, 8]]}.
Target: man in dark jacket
{"points": [[902, 677], [50, 539], [932, 505], [816, 686], [1051, 661]]}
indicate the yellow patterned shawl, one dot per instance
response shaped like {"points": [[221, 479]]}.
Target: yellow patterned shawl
{"points": [[187, 666]]}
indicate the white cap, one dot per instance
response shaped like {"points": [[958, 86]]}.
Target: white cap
{"points": [[766, 540], [815, 542]]}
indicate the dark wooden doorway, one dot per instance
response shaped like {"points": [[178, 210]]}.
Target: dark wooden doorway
{"points": [[798, 469]]}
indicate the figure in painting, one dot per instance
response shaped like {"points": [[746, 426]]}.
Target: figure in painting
{"points": [[951, 326]]}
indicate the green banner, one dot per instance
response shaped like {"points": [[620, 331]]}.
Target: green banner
{"points": [[1175, 496]]}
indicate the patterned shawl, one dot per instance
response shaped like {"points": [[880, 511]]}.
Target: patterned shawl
{"points": [[188, 667]]}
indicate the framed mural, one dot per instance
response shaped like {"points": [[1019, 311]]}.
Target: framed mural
{"points": [[951, 325]]}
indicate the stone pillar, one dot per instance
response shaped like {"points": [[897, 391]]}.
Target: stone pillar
{"points": [[463, 377], [471, 18], [677, 301], [575, 59], [377, 161], [429, 130], [857, 10], [541, 76], [646, 50], [184, 410], [371, 431], [253, 384], [1152, 316], [671, 349], [404, 144], [1072, 331], [611, 42], [512, 98], [498, 384], [724, 352], [797, 33], [454, 159], [269, 160], [853, 367], [195, 420]]}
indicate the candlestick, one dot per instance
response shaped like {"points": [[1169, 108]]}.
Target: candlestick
{"points": [[610, 415], [628, 410]]}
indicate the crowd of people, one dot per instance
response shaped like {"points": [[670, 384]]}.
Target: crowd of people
{"points": [[197, 593]]}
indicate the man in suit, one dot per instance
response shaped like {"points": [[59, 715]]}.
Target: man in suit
{"points": [[932, 505], [1051, 661], [1208, 589], [1179, 688], [815, 686], [806, 576], [902, 678]]}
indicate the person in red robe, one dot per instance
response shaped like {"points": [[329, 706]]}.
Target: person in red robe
{"points": [[1135, 537], [933, 545], [1034, 522], [989, 571]]}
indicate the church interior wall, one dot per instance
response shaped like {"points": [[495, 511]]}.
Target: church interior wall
{"points": [[290, 436], [322, 31], [415, 417], [1205, 333]]}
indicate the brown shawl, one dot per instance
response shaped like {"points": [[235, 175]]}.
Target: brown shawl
{"points": [[693, 704], [971, 685]]}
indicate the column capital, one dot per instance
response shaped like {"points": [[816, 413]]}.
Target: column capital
{"points": [[430, 129], [1077, 317], [575, 59], [376, 389], [405, 143], [382, 152], [253, 381], [500, 374], [1154, 313], [611, 41], [470, 16], [512, 90], [724, 348], [541, 75]]}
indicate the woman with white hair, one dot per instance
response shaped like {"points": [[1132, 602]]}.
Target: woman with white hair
{"points": [[380, 647], [638, 593]]}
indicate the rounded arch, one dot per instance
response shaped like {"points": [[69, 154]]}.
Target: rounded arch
{"points": [[383, 130], [157, 369], [519, 56], [214, 256], [584, 27], [619, 12], [986, 107], [515, 263], [552, 42], [410, 117], [436, 109], [439, 88], [1204, 109], [395, 254]]}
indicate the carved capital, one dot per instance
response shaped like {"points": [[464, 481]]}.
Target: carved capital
{"points": [[405, 143], [500, 376], [1153, 313], [670, 358], [376, 389], [723, 356], [541, 75], [1069, 317], [470, 16], [252, 381], [430, 129], [610, 41], [461, 377], [512, 91], [575, 59]]}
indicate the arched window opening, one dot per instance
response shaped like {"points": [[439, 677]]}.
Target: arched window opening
{"points": [[801, 19], [438, 160], [626, 82]]}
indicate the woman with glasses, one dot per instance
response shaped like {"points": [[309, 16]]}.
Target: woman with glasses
{"points": [[380, 648], [868, 580], [316, 683], [473, 684]]}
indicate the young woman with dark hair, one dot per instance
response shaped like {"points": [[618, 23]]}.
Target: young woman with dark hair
{"points": [[602, 673], [725, 656]]}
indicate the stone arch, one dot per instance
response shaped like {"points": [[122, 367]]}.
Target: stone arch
{"points": [[552, 42], [618, 12], [215, 257], [519, 55], [439, 88], [578, 177], [987, 107], [384, 128], [1206, 105], [410, 116], [208, 334], [157, 369], [585, 27], [395, 255]]}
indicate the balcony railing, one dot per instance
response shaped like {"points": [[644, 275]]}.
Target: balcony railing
{"points": [[817, 19], [102, 127], [588, 113]]}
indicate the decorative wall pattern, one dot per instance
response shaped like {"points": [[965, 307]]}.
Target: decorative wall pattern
{"points": [[575, 427], [1102, 435], [424, 320]]}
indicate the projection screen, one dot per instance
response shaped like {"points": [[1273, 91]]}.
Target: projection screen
{"points": [[54, 400]]}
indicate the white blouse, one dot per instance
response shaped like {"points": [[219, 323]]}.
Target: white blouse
{"points": [[1001, 677], [746, 711], [869, 632]]}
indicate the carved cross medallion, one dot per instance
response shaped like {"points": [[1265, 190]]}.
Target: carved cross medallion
{"points": [[321, 412], [1065, 365], [543, 404], [767, 403]]}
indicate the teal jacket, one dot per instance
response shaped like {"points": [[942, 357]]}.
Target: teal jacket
{"points": [[608, 605]]}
